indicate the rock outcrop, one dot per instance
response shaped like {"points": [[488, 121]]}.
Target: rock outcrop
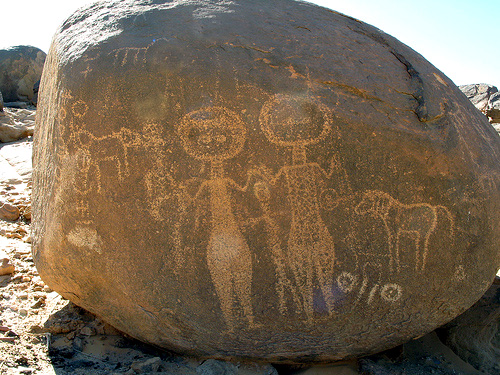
{"points": [[16, 124], [475, 335], [266, 180], [493, 110], [20, 68], [486, 98]]}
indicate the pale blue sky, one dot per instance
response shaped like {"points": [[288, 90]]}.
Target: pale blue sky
{"points": [[460, 37]]}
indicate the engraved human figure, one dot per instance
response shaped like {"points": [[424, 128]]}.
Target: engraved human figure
{"points": [[283, 284], [214, 134], [297, 122]]}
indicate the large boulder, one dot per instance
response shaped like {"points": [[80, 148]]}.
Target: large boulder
{"points": [[16, 124], [258, 179], [20, 68]]}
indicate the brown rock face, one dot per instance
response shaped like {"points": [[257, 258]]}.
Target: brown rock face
{"points": [[20, 68], [259, 179]]}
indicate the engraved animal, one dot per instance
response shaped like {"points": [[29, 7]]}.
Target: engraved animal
{"points": [[417, 221]]}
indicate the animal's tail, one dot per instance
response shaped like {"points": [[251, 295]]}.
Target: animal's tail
{"points": [[450, 218]]}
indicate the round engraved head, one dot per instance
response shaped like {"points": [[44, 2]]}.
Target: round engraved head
{"points": [[212, 133], [294, 120]]}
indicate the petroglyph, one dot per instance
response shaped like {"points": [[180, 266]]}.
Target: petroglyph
{"points": [[297, 122], [85, 238], [459, 274], [370, 285], [371, 276], [214, 134], [391, 292], [416, 221], [79, 108], [347, 282], [113, 148], [283, 284], [133, 56]]}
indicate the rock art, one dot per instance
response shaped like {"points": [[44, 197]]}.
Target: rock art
{"points": [[20, 68], [259, 180]]}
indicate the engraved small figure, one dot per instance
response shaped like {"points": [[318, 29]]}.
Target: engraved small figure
{"points": [[297, 122], [283, 285], [215, 134]]}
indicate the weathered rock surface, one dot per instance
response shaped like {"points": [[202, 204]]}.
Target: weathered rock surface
{"points": [[308, 188], [493, 110], [9, 212], [20, 68], [486, 98], [475, 335], [16, 124]]}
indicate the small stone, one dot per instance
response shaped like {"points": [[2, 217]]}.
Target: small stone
{"points": [[21, 230], [78, 344], [335, 369], [47, 289], [6, 268], [27, 213], [14, 235], [25, 370], [23, 296], [260, 369], [26, 279], [23, 312], [147, 367], [39, 303], [215, 367], [9, 212], [87, 331]]}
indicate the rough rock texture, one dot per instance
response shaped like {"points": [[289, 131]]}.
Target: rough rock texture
{"points": [[266, 180], [9, 212], [20, 68], [493, 110], [16, 124], [475, 335], [486, 98]]}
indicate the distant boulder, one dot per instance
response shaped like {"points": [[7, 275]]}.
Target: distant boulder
{"points": [[486, 98], [20, 68]]}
